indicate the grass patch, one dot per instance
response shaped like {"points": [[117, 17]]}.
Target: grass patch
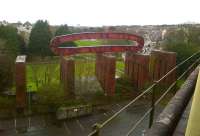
{"points": [[84, 68], [81, 43], [120, 65], [42, 74]]}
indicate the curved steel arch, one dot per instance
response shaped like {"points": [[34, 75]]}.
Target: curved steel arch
{"points": [[55, 42]]}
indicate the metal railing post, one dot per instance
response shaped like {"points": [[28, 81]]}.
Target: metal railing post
{"points": [[96, 127], [154, 102], [151, 117]]}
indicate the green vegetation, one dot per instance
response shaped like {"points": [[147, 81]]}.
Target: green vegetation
{"points": [[84, 68], [120, 65], [184, 41], [39, 39], [6, 73], [88, 42], [42, 74], [10, 41], [43, 78], [10, 46], [117, 42], [120, 68], [7, 102], [7, 107], [50, 94], [102, 42], [123, 84], [63, 30]]}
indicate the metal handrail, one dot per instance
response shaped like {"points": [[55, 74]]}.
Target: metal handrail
{"points": [[165, 93], [177, 66], [117, 113], [139, 121], [99, 126], [172, 85]]}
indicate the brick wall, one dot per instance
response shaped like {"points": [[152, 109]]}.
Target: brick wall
{"points": [[20, 79], [67, 75], [137, 69], [105, 72], [144, 69], [163, 62]]}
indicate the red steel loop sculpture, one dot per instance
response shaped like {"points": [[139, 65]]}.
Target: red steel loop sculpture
{"points": [[64, 51]]}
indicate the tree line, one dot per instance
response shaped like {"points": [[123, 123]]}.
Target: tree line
{"points": [[185, 40], [12, 43], [41, 34]]}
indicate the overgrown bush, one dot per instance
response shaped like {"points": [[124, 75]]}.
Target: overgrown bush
{"points": [[10, 40], [51, 94], [7, 102], [6, 73], [184, 41]]}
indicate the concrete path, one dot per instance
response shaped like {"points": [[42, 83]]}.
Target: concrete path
{"points": [[44, 126]]}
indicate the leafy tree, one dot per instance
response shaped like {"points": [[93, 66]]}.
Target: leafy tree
{"points": [[39, 39], [193, 35], [9, 40], [184, 41], [6, 72], [10, 45], [22, 48], [63, 30]]}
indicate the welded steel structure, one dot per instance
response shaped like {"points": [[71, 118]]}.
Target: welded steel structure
{"points": [[65, 51]]}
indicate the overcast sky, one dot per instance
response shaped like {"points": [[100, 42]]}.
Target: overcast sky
{"points": [[101, 12]]}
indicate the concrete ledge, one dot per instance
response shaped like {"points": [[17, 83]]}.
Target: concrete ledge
{"points": [[168, 119]]}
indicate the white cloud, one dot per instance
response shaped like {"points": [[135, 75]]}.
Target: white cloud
{"points": [[101, 12]]}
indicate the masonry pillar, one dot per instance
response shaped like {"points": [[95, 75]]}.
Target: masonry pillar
{"points": [[137, 69], [20, 81], [105, 72], [161, 63], [67, 75]]}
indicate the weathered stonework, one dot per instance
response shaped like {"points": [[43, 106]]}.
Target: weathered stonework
{"points": [[105, 72], [67, 75], [20, 79]]}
